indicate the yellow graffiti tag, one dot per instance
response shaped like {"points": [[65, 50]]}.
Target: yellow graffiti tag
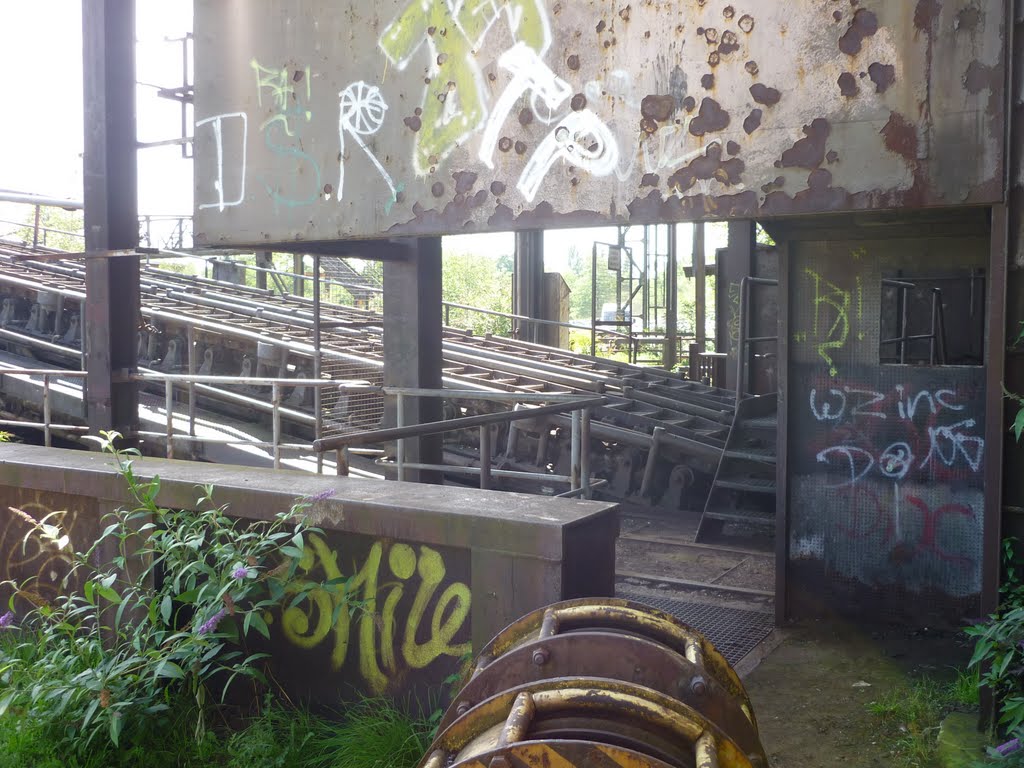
{"points": [[453, 103], [309, 624], [829, 296]]}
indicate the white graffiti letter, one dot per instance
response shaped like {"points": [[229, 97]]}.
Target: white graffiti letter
{"points": [[580, 138], [361, 113], [825, 412], [217, 123], [849, 455], [529, 73], [948, 441]]}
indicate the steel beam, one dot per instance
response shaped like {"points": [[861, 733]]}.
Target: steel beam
{"points": [[412, 338], [111, 212], [528, 282]]}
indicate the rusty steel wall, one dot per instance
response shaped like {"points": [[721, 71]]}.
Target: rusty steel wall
{"points": [[330, 120], [886, 507]]}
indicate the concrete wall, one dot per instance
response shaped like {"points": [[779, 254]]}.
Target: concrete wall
{"points": [[447, 568]]}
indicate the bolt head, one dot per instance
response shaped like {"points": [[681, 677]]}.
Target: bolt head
{"points": [[698, 686], [462, 708], [541, 656]]}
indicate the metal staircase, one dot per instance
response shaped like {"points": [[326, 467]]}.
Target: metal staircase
{"points": [[743, 492]]}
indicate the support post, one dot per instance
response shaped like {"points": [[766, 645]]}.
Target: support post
{"points": [[112, 312], [412, 339], [700, 284], [298, 284], [671, 357], [528, 283]]}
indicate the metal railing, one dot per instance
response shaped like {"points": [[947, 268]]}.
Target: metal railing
{"points": [[743, 341], [193, 383], [936, 338], [631, 339], [46, 425], [579, 480]]}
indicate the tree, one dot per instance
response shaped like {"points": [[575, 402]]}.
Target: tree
{"points": [[58, 228], [477, 281]]}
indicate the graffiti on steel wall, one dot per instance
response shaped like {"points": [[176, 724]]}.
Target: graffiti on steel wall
{"points": [[836, 311], [484, 114], [898, 475], [409, 612], [30, 560]]}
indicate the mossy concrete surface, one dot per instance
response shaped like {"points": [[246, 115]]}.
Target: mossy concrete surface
{"points": [[961, 744]]}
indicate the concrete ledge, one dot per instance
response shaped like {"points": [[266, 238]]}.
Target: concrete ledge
{"points": [[505, 554]]}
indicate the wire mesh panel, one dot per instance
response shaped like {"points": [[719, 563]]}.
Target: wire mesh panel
{"points": [[886, 494], [350, 351]]}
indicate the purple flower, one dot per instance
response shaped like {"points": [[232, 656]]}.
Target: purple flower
{"points": [[240, 572], [1009, 747], [211, 623], [319, 496], [6, 620]]}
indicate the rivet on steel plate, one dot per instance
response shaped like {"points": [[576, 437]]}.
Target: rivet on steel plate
{"points": [[463, 708], [541, 656]]}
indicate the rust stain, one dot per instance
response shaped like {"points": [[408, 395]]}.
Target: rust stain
{"points": [[497, 188], [967, 20], [710, 166], [863, 25], [707, 81], [979, 77], [808, 152], [710, 118], [650, 180], [658, 107], [730, 43], [753, 121], [762, 94], [525, 116], [746, 23], [925, 14], [901, 137], [848, 85], [752, 68], [732, 148], [573, 62], [578, 102], [464, 181], [882, 75], [625, 12]]}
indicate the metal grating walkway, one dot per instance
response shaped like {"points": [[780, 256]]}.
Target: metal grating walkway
{"points": [[734, 632]]}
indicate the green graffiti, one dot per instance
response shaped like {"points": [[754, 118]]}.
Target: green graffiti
{"points": [[453, 105]]}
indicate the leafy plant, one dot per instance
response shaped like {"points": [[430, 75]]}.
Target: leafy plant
{"points": [[910, 715], [168, 603]]}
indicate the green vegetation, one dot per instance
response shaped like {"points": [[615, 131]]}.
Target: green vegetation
{"points": [[909, 716], [58, 228], [133, 665]]}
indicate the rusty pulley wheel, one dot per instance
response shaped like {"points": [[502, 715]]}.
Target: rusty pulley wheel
{"points": [[643, 660]]}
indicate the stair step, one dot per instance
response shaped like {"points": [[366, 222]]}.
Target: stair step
{"points": [[764, 455], [752, 484], [761, 422], [744, 516]]}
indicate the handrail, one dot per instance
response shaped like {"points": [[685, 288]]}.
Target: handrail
{"points": [[579, 479], [742, 341]]}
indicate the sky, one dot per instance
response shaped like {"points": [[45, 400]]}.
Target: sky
{"points": [[41, 136]]}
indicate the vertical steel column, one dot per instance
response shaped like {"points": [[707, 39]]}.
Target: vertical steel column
{"points": [[485, 457], [318, 424], [111, 213], [298, 285], [700, 285], [739, 262], [412, 338], [528, 283], [672, 302]]}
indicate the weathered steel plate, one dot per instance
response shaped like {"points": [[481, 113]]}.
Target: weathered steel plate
{"points": [[333, 120]]}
